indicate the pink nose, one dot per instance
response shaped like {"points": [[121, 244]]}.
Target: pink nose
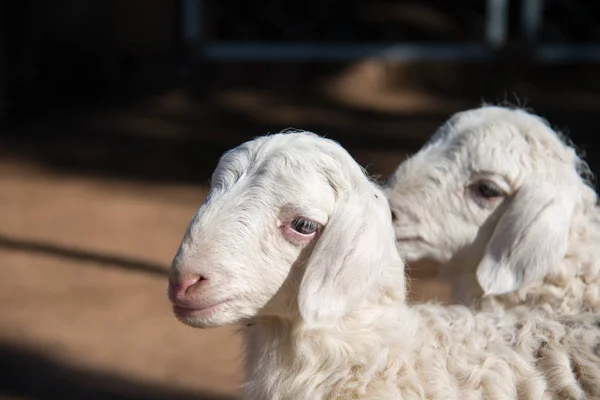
{"points": [[181, 288]]}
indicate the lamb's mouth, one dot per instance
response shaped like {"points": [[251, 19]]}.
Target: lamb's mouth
{"points": [[188, 312], [404, 239]]}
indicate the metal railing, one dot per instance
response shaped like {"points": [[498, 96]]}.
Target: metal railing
{"points": [[496, 32]]}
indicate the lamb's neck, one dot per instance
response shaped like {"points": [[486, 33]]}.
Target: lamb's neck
{"points": [[319, 360], [463, 281]]}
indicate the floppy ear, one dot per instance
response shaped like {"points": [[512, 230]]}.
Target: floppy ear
{"points": [[530, 237], [356, 246]]}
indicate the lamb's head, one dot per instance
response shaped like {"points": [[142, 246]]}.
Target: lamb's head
{"points": [[493, 191], [291, 228]]}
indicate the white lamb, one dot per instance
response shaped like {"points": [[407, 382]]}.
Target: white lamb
{"points": [[500, 201], [296, 243]]}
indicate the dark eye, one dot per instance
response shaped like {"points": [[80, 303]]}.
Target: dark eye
{"points": [[489, 190], [304, 226]]}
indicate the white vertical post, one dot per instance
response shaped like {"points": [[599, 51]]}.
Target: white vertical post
{"points": [[496, 24], [531, 18]]}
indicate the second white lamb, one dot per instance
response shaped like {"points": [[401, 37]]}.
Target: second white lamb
{"points": [[502, 203]]}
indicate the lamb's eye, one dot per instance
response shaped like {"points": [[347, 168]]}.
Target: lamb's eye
{"points": [[489, 190], [304, 226]]}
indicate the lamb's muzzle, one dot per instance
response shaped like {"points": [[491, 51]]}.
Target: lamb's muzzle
{"points": [[186, 294]]}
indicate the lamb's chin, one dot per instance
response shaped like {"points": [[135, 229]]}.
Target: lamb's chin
{"points": [[212, 317], [411, 252]]}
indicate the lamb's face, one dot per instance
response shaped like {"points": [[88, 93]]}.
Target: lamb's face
{"points": [[248, 242], [447, 199]]}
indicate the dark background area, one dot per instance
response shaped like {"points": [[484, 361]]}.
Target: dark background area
{"points": [[110, 130], [65, 59]]}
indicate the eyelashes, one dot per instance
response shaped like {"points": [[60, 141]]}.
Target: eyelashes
{"points": [[304, 226]]}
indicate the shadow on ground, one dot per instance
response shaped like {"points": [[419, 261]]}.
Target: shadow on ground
{"points": [[25, 373], [108, 260]]}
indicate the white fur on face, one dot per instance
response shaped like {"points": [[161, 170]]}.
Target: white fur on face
{"points": [[441, 215], [243, 241]]}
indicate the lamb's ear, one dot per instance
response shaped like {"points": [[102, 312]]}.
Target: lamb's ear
{"points": [[530, 237], [356, 246]]}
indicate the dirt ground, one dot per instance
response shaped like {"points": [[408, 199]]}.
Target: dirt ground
{"points": [[94, 202]]}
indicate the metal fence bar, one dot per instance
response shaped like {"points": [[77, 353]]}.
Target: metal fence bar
{"points": [[343, 52], [531, 18], [496, 22], [561, 53], [191, 22], [496, 17], [547, 53], [496, 30]]}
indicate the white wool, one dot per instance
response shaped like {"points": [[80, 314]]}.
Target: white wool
{"points": [[536, 246], [327, 315]]}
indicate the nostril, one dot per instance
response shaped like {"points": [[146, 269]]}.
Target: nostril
{"points": [[179, 288], [394, 216], [187, 284]]}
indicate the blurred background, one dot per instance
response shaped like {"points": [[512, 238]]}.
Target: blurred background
{"points": [[114, 113]]}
